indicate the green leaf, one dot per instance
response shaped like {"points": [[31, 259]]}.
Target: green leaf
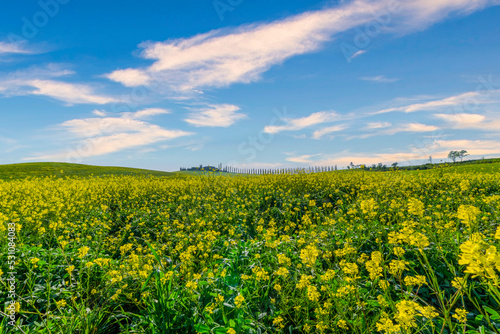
{"points": [[494, 314], [479, 317], [232, 323], [202, 328], [147, 281]]}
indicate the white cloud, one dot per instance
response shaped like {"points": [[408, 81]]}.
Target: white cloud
{"points": [[100, 113], [145, 113], [378, 125], [386, 131], [104, 135], [462, 101], [11, 48], [303, 159], [324, 131], [68, 92], [304, 122], [256, 164], [472, 121], [40, 81], [129, 77], [223, 57], [379, 78], [474, 147], [412, 127], [357, 54], [215, 115]]}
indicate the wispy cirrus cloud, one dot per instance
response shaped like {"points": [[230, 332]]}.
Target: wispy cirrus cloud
{"points": [[303, 159], [390, 130], [45, 81], [104, 135], [146, 113], [377, 125], [318, 134], [379, 78], [214, 115], [489, 122], [463, 100], [14, 48], [294, 124], [70, 93], [241, 55], [410, 127]]}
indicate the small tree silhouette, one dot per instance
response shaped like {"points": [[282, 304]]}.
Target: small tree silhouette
{"points": [[462, 154], [453, 155]]}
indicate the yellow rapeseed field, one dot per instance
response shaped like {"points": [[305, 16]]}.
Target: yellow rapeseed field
{"points": [[337, 252]]}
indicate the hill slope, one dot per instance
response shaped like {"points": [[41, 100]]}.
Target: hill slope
{"points": [[60, 169]]}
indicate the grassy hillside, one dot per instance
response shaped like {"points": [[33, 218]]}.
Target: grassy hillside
{"points": [[59, 169]]}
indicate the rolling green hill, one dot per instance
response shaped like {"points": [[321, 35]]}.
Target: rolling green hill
{"points": [[59, 169]]}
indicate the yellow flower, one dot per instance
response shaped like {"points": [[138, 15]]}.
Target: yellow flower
{"points": [[192, 285], [231, 331], [387, 325], [417, 280], [429, 312], [309, 255], [278, 321], [282, 271], [328, 275], [61, 303], [312, 293], [406, 312], [239, 301], [396, 267], [468, 214], [399, 251], [342, 324], [382, 301], [34, 260], [460, 315], [82, 251], [459, 283], [416, 207]]}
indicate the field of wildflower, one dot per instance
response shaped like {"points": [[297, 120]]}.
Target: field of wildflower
{"points": [[336, 252]]}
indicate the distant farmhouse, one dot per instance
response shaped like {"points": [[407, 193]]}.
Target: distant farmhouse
{"points": [[203, 168]]}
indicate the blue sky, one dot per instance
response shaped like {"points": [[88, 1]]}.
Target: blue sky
{"points": [[169, 84]]}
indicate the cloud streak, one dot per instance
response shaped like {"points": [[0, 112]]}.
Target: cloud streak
{"points": [[214, 115], [294, 124], [11, 48], [105, 135], [379, 78], [45, 81], [318, 134], [220, 58], [461, 101]]}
